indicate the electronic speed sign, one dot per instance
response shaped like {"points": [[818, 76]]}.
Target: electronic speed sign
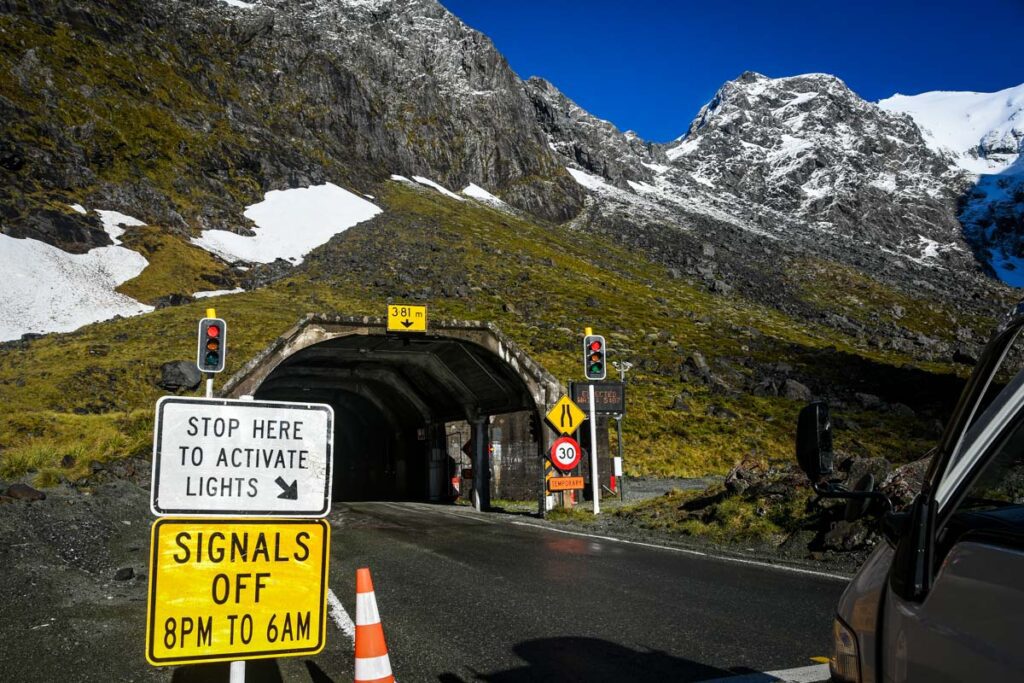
{"points": [[565, 453]]}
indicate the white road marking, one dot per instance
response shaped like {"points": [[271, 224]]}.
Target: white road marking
{"points": [[340, 617], [696, 553], [803, 674]]}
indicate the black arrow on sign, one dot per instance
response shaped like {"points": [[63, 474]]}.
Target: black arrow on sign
{"points": [[407, 323], [290, 491]]}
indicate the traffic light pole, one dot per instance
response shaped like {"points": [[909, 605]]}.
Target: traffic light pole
{"points": [[595, 483], [209, 385], [618, 429]]}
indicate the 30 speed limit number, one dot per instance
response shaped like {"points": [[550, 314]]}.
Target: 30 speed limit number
{"points": [[565, 453]]}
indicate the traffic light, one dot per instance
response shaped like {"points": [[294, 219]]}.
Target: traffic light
{"points": [[594, 356], [213, 345]]}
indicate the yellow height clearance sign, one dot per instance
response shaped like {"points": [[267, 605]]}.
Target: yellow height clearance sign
{"points": [[403, 318], [227, 589]]}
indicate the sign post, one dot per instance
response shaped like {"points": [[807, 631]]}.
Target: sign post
{"points": [[595, 484], [230, 589]]}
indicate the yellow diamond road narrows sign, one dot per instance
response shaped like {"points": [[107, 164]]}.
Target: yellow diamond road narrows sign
{"points": [[228, 589], [403, 318], [566, 416]]}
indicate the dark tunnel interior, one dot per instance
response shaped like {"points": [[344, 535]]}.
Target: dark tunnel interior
{"points": [[393, 397]]}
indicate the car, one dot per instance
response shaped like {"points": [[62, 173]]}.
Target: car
{"points": [[942, 598]]}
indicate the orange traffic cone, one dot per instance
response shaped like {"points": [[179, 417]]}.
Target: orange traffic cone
{"points": [[372, 663]]}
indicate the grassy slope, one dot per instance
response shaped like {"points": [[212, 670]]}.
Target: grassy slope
{"points": [[90, 393], [175, 266]]}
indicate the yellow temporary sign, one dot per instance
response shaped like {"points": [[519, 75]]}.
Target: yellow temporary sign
{"points": [[566, 416], [403, 318], [226, 589]]}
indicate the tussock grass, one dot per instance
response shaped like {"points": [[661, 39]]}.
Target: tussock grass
{"points": [[175, 266], [56, 445]]}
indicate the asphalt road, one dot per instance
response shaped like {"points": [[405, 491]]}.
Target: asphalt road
{"points": [[463, 597], [470, 597]]}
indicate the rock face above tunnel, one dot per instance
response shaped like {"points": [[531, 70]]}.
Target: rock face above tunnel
{"points": [[242, 100]]}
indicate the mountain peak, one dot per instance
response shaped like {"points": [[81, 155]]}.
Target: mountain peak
{"points": [[982, 132]]}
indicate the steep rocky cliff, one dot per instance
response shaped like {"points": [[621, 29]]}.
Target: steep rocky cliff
{"points": [[183, 113]]}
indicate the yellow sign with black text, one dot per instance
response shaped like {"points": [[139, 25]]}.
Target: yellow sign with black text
{"points": [[566, 416], [403, 318], [228, 589]]}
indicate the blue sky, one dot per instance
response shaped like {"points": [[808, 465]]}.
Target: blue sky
{"points": [[649, 66]]}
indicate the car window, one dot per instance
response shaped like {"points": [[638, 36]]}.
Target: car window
{"points": [[991, 424], [1001, 482]]}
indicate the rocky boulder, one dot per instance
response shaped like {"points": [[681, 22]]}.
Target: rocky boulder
{"points": [[179, 375]]}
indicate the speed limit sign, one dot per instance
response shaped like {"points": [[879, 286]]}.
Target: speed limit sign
{"points": [[565, 453]]}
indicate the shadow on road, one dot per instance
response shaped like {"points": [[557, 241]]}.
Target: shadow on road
{"points": [[594, 660]]}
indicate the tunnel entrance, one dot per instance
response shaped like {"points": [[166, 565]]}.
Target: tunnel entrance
{"points": [[399, 399]]}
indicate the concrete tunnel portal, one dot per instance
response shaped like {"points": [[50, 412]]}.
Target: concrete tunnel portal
{"points": [[405, 404]]}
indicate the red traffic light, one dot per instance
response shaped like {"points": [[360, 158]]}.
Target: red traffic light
{"points": [[594, 356], [212, 347]]}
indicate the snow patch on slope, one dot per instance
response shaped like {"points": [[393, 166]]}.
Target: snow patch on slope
{"points": [[591, 182], [47, 289], [113, 222], [443, 190], [290, 224], [982, 131], [476, 192], [216, 292]]}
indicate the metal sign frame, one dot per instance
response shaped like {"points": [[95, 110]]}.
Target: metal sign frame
{"points": [[158, 456]]}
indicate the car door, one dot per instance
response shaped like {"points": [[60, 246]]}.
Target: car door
{"points": [[954, 606]]}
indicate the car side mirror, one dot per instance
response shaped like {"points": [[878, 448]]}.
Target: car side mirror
{"points": [[895, 526], [814, 441]]}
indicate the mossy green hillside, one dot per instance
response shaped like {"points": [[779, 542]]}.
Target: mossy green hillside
{"points": [[541, 284], [134, 113], [175, 266]]}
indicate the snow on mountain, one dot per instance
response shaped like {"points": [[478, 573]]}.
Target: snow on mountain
{"points": [[216, 292], [799, 165], [290, 224], [47, 289], [480, 194], [982, 132], [440, 188]]}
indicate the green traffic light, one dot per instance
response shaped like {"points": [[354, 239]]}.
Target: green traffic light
{"points": [[212, 359], [595, 368]]}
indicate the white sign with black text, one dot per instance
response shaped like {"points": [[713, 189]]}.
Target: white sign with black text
{"points": [[245, 458]]}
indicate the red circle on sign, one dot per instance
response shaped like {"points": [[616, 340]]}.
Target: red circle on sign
{"points": [[565, 453]]}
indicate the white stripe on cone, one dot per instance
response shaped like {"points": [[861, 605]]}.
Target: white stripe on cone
{"points": [[366, 609], [372, 668]]}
